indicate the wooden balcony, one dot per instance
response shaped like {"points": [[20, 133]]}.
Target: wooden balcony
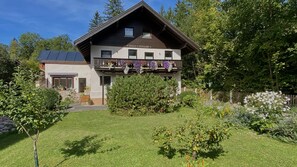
{"points": [[126, 66]]}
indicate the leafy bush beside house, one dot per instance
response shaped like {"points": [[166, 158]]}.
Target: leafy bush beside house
{"points": [[187, 98], [142, 94]]}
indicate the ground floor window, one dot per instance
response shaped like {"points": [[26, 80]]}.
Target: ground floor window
{"points": [[107, 80], [63, 82]]}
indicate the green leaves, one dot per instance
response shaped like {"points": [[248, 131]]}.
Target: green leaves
{"points": [[142, 94], [194, 138], [25, 104]]}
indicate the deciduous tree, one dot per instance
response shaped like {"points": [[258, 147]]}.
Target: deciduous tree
{"points": [[25, 105]]}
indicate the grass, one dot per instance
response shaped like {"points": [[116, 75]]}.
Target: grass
{"points": [[96, 138]]}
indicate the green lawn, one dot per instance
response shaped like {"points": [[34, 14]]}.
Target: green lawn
{"points": [[96, 138]]}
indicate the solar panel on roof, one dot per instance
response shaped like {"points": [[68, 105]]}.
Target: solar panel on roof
{"points": [[70, 56], [53, 55], [79, 57], [43, 55], [62, 56]]}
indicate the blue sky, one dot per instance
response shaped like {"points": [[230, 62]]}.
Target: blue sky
{"points": [[51, 18]]}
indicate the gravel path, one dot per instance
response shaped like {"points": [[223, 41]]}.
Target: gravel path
{"points": [[78, 108]]}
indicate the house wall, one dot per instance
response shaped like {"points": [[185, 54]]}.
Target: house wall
{"points": [[83, 71], [93, 77], [122, 52]]}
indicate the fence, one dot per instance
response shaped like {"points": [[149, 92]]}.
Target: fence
{"points": [[233, 96]]}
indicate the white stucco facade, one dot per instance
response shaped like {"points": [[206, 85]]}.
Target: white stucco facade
{"points": [[122, 53], [75, 70], [92, 76]]}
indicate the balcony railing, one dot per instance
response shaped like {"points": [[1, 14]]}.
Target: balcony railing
{"points": [[137, 65]]}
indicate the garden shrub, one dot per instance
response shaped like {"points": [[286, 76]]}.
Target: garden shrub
{"points": [[52, 98], [286, 129], [194, 138], [266, 108], [239, 117], [142, 94], [187, 98]]}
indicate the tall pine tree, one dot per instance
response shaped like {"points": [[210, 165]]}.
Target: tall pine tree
{"points": [[113, 8], [97, 19]]}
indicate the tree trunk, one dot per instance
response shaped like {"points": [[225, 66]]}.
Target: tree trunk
{"points": [[35, 153], [271, 73], [194, 155]]}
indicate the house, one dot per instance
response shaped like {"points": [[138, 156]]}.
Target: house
{"points": [[138, 40]]}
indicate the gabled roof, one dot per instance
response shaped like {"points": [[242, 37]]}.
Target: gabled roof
{"points": [[84, 42], [60, 56]]}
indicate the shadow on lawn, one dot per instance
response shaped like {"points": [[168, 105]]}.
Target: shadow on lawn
{"points": [[171, 152], [87, 145], [10, 138], [213, 154]]}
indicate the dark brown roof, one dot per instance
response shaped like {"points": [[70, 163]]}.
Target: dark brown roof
{"points": [[84, 42]]}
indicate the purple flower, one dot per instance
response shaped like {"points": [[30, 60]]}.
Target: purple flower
{"points": [[137, 65], [166, 64], [153, 65]]}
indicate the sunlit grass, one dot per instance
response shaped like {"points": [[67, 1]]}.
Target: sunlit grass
{"points": [[96, 138]]}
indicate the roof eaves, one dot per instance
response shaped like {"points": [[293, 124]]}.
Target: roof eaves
{"points": [[108, 23], [177, 31]]}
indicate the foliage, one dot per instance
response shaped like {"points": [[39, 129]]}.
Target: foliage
{"points": [[97, 19], [70, 98], [13, 49], [52, 98], [142, 94], [187, 98], [245, 46], [24, 104], [239, 117], [113, 8], [6, 64], [266, 108], [193, 138], [27, 44], [286, 129]]}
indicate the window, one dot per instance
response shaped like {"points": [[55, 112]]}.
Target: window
{"points": [[107, 80], [146, 35], [168, 55], [82, 82], [63, 82], [149, 55], [105, 54], [129, 32], [132, 54]]}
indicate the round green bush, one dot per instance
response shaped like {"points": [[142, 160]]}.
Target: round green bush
{"points": [[142, 94], [52, 98]]}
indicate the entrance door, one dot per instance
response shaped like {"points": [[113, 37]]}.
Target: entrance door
{"points": [[82, 82]]}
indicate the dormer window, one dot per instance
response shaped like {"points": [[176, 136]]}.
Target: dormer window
{"points": [[146, 35], [129, 32]]}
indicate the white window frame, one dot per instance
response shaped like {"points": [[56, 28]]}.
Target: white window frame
{"points": [[129, 32]]}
